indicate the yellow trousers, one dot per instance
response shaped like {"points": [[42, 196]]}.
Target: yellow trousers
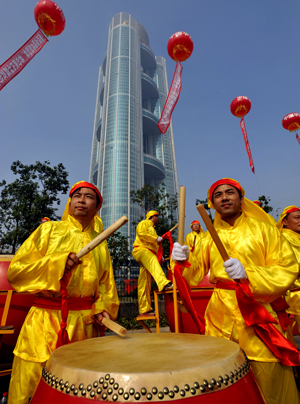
{"points": [[24, 379], [277, 382], [149, 266]]}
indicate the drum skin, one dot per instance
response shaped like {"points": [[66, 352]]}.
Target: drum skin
{"points": [[149, 368]]}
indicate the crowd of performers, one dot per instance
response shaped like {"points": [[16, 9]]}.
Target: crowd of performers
{"points": [[247, 305]]}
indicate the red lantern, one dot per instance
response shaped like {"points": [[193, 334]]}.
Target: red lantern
{"points": [[49, 17], [240, 107], [180, 46], [291, 122]]}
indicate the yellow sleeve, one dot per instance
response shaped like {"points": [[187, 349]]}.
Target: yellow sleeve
{"points": [[279, 270], [146, 232], [33, 267], [107, 297]]}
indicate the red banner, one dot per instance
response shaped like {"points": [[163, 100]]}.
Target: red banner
{"points": [[298, 138], [243, 127], [171, 100], [17, 62]]}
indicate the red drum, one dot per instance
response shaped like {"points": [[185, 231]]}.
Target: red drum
{"points": [[200, 296], [149, 368], [19, 307]]}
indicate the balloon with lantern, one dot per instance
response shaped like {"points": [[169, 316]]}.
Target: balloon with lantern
{"points": [[240, 107], [51, 21], [291, 122], [180, 47]]}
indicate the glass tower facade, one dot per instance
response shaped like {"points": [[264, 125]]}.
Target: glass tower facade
{"points": [[128, 150]]}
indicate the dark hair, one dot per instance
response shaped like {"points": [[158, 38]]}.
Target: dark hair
{"points": [[97, 196]]}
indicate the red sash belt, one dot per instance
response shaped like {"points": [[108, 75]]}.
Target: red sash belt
{"points": [[54, 303], [261, 320]]}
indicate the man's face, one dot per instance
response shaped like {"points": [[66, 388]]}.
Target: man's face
{"points": [[196, 227], [154, 219], [227, 200], [292, 222], [83, 205]]}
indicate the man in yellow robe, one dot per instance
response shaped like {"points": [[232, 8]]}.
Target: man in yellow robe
{"points": [[144, 252], [193, 239], [38, 267], [264, 263], [289, 225]]}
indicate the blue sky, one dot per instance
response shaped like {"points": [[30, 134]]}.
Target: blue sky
{"points": [[248, 47]]}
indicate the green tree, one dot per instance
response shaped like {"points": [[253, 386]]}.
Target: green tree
{"points": [[205, 204], [30, 197], [119, 250], [157, 198], [265, 203]]}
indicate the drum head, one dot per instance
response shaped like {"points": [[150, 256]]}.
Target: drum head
{"points": [[143, 367]]}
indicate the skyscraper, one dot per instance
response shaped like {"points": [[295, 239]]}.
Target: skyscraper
{"points": [[128, 149]]}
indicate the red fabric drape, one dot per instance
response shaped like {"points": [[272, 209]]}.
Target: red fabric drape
{"points": [[243, 127], [261, 320], [298, 138], [185, 291], [166, 236]]}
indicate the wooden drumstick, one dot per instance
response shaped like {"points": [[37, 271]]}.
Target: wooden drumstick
{"points": [[173, 228], [103, 236], [181, 218], [213, 233], [118, 329], [89, 247]]}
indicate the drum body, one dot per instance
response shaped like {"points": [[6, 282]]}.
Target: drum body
{"points": [[200, 296], [149, 368]]}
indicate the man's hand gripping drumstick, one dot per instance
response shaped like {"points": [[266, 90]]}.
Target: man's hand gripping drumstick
{"points": [[74, 260]]}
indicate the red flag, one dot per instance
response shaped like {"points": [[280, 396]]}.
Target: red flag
{"points": [[297, 137], [171, 101], [243, 127], [166, 236], [17, 62]]}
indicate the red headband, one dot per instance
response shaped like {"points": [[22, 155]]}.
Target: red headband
{"points": [[258, 203], [84, 184], [223, 181], [291, 210], [195, 222]]}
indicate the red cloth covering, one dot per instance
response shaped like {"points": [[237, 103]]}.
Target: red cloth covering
{"points": [[261, 320], [185, 291], [166, 236], [64, 304]]}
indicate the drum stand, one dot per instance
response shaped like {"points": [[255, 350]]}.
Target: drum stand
{"points": [[155, 316]]}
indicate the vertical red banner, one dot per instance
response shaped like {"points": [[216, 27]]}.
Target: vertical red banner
{"points": [[243, 127], [171, 101], [17, 62], [298, 138]]}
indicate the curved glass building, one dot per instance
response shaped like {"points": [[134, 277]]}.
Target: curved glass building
{"points": [[128, 149]]}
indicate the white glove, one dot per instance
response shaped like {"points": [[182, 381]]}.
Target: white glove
{"points": [[159, 239], [180, 252], [234, 269]]}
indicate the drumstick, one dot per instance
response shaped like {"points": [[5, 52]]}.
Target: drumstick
{"points": [[181, 216], [213, 233], [89, 247], [118, 329], [175, 227], [103, 236]]}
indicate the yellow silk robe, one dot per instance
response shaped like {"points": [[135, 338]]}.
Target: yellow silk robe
{"points": [[271, 269], [293, 297], [39, 265], [149, 266], [146, 236], [191, 241]]}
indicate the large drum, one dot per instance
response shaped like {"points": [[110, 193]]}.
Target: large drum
{"points": [[149, 368]]}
